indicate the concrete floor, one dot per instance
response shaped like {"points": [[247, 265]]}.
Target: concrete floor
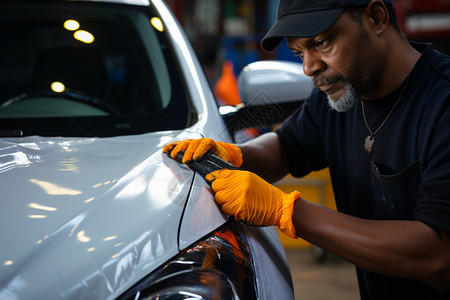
{"points": [[333, 278]]}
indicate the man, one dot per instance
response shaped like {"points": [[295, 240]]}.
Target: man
{"points": [[379, 119]]}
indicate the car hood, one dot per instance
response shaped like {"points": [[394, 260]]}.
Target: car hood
{"points": [[87, 217]]}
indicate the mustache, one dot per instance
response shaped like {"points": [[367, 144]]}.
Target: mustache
{"points": [[319, 80]]}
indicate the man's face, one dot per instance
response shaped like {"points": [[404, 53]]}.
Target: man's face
{"points": [[343, 61]]}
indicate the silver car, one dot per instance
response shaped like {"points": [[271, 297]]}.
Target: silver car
{"points": [[90, 206]]}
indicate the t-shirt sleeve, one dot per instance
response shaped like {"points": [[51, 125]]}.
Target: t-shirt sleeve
{"points": [[433, 207], [433, 198], [301, 139]]}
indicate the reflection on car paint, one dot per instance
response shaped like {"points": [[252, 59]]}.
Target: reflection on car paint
{"points": [[130, 254], [200, 214], [90, 205]]}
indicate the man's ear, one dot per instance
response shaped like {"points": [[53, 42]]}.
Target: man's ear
{"points": [[378, 16]]}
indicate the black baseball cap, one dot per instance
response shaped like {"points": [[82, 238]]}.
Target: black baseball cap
{"points": [[306, 18]]}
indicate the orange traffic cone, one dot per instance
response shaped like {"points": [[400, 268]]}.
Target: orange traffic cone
{"points": [[227, 93], [226, 88]]}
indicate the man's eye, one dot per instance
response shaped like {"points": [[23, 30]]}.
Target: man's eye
{"points": [[322, 44], [299, 54]]}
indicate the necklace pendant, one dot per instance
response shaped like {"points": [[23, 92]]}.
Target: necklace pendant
{"points": [[368, 143]]}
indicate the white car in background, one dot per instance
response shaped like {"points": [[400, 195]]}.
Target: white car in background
{"points": [[91, 208]]}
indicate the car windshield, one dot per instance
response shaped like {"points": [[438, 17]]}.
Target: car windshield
{"points": [[87, 69]]}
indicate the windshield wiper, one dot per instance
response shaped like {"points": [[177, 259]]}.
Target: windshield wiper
{"points": [[11, 133]]}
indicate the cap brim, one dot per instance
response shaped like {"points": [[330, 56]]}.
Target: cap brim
{"points": [[306, 24]]}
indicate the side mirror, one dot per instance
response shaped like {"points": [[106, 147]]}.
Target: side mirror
{"points": [[270, 91]]}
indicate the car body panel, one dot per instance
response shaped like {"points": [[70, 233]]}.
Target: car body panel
{"points": [[201, 214], [88, 218], [70, 186], [270, 263]]}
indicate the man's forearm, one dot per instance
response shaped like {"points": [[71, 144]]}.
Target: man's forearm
{"points": [[408, 249], [264, 156]]}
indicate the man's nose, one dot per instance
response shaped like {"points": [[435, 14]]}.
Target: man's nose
{"points": [[312, 63]]}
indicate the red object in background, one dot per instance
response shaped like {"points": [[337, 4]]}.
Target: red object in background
{"points": [[177, 8], [424, 19]]}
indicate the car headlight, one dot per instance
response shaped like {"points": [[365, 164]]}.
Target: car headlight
{"points": [[218, 267]]}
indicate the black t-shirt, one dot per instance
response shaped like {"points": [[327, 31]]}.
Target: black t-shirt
{"points": [[407, 174]]}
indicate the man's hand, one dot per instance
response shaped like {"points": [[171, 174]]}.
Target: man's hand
{"points": [[249, 198], [195, 149]]}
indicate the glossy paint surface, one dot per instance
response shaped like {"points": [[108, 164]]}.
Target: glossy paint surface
{"points": [[201, 214], [87, 212], [87, 218]]}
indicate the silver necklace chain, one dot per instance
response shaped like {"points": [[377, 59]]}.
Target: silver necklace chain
{"points": [[370, 139]]}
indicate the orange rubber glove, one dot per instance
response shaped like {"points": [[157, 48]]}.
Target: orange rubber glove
{"points": [[195, 149], [249, 198]]}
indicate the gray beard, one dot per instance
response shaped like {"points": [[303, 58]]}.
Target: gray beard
{"points": [[345, 102]]}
